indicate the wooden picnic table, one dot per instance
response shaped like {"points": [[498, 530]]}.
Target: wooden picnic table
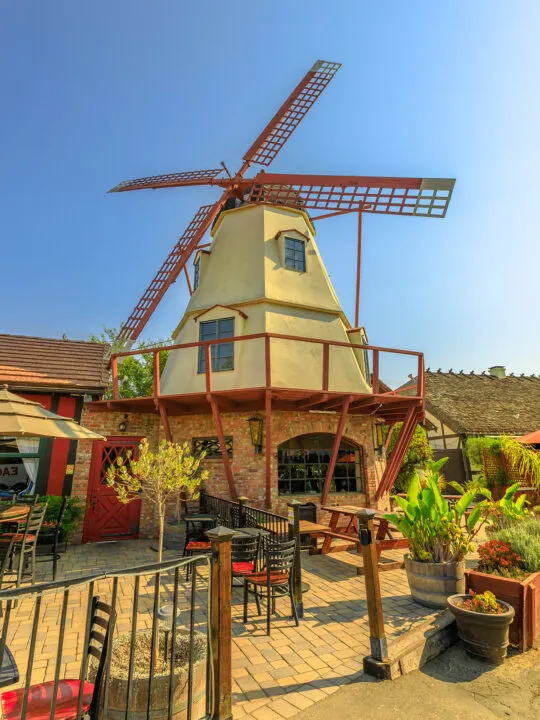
{"points": [[343, 525]]}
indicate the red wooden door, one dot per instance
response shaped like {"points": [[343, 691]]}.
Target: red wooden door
{"points": [[106, 517]]}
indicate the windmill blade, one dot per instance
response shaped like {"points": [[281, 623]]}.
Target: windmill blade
{"points": [[291, 113], [191, 177], [169, 271], [428, 197]]}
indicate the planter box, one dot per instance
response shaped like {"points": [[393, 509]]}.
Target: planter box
{"points": [[522, 595]]}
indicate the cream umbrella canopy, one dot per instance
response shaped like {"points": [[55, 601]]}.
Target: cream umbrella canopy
{"points": [[21, 418]]}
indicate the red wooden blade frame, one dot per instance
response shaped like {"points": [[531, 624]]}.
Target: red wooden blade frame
{"points": [[191, 177], [169, 271], [291, 113], [427, 197]]}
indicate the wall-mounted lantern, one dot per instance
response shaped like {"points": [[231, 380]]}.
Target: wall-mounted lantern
{"points": [[123, 424], [379, 439], [256, 430]]}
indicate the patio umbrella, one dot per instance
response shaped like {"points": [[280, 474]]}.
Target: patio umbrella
{"points": [[530, 439], [25, 418]]}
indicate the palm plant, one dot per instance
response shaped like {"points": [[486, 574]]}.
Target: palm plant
{"points": [[436, 530]]}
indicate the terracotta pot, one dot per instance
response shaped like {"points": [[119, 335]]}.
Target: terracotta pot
{"points": [[432, 583], [484, 635]]}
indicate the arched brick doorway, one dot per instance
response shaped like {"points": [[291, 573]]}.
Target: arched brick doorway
{"points": [[303, 464]]}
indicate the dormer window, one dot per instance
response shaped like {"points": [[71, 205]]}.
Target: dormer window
{"points": [[295, 254], [223, 353], [196, 273]]}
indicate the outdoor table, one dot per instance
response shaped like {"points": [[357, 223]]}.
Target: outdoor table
{"points": [[384, 538], [14, 513], [9, 672]]}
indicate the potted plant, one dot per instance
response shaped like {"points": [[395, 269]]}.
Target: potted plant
{"points": [[509, 566], [483, 623], [160, 478], [439, 537], [73, 515]]}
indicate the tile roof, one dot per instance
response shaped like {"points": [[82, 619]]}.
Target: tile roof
{"points": [[50, 364], [482, 404]]}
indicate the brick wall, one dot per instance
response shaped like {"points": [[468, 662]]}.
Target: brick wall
{"points": [[248, 468]]}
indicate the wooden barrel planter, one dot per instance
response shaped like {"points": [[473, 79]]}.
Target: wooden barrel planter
{"points": [[522, 595], [432, 583], [159, 706]]}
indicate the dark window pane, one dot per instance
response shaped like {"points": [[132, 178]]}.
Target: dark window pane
{"points": [[223, 353], [295, 254], [304, 460]]}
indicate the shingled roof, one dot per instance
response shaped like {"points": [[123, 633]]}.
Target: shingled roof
{"points": [[49, 364], [482, 404]]}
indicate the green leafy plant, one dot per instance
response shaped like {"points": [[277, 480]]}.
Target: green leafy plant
{"points": [[416, 457], [524, 539], [510, 456], [483, 603], [73, 515], [506, 511], [435, 530], [135, 372]]}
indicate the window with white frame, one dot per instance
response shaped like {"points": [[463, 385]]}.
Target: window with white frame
{"points": [[222, 354], [295, 254]]}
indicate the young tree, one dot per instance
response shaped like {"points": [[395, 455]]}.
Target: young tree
{"points": [[135, 372], [160, 478]]}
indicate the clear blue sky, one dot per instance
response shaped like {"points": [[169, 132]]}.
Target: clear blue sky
{"points": [[97, 92]]}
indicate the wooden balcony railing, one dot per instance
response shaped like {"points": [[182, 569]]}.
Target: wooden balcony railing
{"points": [[373, 380]]}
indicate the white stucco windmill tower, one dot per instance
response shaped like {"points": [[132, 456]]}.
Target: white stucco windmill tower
{"points": [[266, 371]]}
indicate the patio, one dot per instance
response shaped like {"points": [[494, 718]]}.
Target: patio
{"points": [[290, 670]]}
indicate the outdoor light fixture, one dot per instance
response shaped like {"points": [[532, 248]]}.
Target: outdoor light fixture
{"points": [[123, 425], [379, 439], [256, 430]]}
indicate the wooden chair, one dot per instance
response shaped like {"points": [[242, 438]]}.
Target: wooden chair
{"points": [[276, 577], [53, 555], [24, 545], [40, 697]]}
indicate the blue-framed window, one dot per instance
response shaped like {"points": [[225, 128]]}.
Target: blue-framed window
{"points": [[295, 254], [222, 354], [196, 273]]}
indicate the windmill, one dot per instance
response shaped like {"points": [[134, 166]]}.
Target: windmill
{"points": [[332, 194]]}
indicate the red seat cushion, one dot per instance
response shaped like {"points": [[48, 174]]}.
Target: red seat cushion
{"points": [[40, 699], [195, 545], [243, 568], [260, 578], [18, 537]]}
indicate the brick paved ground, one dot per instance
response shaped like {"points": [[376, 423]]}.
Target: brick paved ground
{"points": [[273, 677]]}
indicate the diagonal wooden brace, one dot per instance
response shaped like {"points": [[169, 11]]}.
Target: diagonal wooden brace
{"points": [[398, 455]]}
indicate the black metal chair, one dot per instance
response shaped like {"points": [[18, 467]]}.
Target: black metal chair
{"points": [[46, 556], [40, 697], [23, 547], [276, 577]]}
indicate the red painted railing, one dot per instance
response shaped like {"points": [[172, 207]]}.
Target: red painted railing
{"points": [[375, 379]]}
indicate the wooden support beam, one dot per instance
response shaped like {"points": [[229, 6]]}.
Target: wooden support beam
{"points": [[223, 447], [358, 264], [188, 280], [165, 421], [335, 449], [157, 375], [268, 448], [323, 397], [326, 366], [115, 386], [363, 402], [375, 373], [396, 459]]}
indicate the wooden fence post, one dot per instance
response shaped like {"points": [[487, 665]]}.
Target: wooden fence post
{"points": [[220, 620], [242, 500], [294, 532], [377, 636]]}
